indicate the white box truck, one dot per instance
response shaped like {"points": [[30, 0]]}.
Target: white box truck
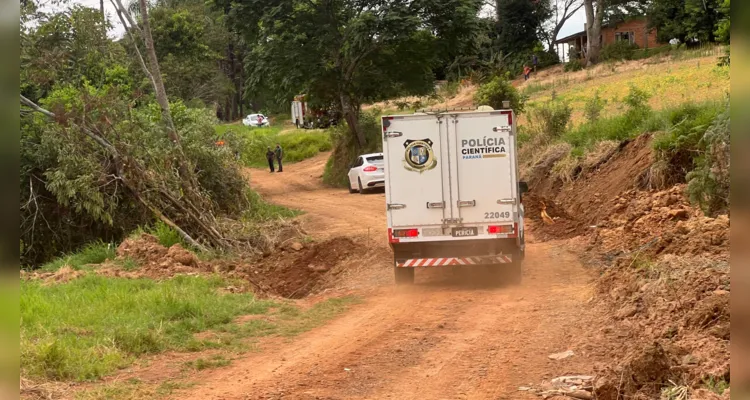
{"points": [[452, 192]]}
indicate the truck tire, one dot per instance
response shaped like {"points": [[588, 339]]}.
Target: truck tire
{"points": [[404, 276], [515, 272]]}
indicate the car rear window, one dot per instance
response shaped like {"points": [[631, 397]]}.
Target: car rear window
{"points": [[375, 158]]}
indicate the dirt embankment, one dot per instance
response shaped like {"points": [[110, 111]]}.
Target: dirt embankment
{"points": [[664, 273]]}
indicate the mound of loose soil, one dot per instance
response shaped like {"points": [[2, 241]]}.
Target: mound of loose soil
{"points": [[154, 260], [655, 223], [671, 314], [583, 201], [298, 270], [664, 285]]}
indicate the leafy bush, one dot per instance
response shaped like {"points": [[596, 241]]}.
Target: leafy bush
{"points": [[573, 65], [594, 107], [66, 179], [166, 234], [682, 145], [346, 149], [637, 99], [498, 90], [617, 51], [549, 121], [708, 184]]}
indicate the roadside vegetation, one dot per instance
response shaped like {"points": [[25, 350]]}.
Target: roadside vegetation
{"points": [[91, 326], [298, 144]]}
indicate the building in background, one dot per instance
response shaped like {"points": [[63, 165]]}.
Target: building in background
{"points": [[634, 30]]}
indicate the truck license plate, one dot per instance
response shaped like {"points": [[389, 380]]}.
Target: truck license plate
{"points": [[464, 232]]}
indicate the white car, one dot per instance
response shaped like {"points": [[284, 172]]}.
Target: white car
{"points": [[367, 172], [256, 120]]}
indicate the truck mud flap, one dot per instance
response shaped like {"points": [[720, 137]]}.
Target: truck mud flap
{"points": [[436, 262]]}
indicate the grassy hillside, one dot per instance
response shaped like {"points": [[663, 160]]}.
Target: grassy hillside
{"points": [[669, 83], [298, 144]]}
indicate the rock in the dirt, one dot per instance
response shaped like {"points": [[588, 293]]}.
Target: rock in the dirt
{"points": [[680, 213], [689, 359], [626, 312], [182, 256], [297, 246], [604, 389], [562, 355], [318, 268]]}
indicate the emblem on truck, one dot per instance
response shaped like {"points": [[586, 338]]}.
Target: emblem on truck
{"points": [[419, 155]]}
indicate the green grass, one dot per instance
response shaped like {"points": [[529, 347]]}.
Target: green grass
{"points": [[87, 328], [215, 361], [93, 253], [166, 234], [716, 385], [132, 389], [263, 211], [675, 122], [298, 144]]}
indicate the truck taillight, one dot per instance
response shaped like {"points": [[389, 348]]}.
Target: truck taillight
{"points": [[370, 169], [405, 233], [492, 229]]}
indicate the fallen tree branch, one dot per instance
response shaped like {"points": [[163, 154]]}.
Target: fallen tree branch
{"points": [[115, 154]]}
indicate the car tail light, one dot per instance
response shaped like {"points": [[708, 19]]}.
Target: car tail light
{"points": [[492, 229], [370, 169], [405, 233]]}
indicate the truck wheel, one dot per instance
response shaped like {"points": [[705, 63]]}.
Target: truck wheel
{"points": [[404, 276], [515, 272]]}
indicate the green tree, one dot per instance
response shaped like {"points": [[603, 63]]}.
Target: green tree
{"points": [[339, 52], [724, 26], [688, 19], [520, 23]]}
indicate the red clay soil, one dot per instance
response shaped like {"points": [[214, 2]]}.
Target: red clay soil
{"points": [[584, 202], [664, 286], [296, 273]]}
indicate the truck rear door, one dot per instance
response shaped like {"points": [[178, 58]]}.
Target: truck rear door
{"points": [[484, 164], [414, 149]]}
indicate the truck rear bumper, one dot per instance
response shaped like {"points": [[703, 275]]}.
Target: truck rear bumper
{"points": [[437, 262], [468, 252]]}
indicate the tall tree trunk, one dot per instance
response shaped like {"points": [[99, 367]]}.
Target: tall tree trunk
{"points": [[161, 93], [233, 77], [240, 89], [594, 18], [351, 115]]}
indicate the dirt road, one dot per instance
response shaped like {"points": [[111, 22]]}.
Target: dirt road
{"points": [[437, 340]]}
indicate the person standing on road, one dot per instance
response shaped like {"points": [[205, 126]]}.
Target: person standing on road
{"points": [[269, 157], [279, 156]]}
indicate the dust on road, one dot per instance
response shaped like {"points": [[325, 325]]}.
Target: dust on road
{"points": [[436, 340]]}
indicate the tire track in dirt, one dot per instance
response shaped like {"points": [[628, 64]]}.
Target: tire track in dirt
{"points": [[443, 338]]}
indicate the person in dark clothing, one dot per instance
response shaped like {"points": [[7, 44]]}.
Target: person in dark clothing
{"points": [[535, 61], [269, 157], [279, 156]]}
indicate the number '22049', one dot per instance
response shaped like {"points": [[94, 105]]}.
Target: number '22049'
{"points": [[496, 215]]}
